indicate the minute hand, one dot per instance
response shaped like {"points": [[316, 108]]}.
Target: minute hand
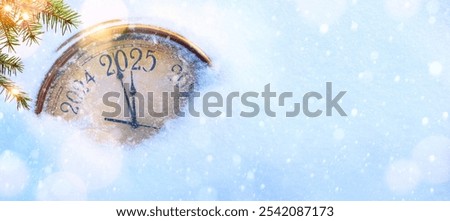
{"points": [[133, 100], [129, 123]]}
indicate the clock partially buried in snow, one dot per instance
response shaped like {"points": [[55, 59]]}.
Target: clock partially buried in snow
{"points": [[122, 81]]}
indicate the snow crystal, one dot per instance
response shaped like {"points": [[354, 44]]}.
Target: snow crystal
{"points": [[354, 26], [435, 68], [324, 28], [354, 112], [261, 124], [425, 121]]}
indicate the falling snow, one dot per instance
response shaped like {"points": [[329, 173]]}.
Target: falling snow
{"points": [[392, 60], [435, 68]]}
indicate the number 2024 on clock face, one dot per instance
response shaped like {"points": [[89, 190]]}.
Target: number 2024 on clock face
{"points": [[116, 82]]}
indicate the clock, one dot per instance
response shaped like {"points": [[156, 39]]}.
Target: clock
{"points": [[122, 82]]}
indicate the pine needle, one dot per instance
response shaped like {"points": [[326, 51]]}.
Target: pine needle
{"points": [[12, 92], [21, 22], [8, 32], [10, 64], [57, 13], [31, 32]]}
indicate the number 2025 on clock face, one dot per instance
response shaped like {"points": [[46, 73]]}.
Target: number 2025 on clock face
{"points": [[119, 82]]}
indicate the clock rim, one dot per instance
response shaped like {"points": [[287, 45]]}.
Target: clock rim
{"points": [[120, 28]]}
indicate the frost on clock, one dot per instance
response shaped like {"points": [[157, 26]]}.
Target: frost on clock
{"points": [[392, 57]]}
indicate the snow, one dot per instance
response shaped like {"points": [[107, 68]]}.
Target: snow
{"points": [[354, 26], [354, 112], [425, 121], [432, 20], [339, 134], [429, 163], [394, 143], [321, 11], [97, 166], [61, 186], [92, 11], [433, 156], [435, 68], [13, 174], [403, 9], [403, 176], [433, 6], [324, 28]]}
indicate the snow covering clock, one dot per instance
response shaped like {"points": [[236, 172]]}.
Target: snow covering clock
{"points": [[122, 81]]}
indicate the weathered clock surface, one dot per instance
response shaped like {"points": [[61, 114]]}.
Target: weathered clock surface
{"points": [[120, 82]]}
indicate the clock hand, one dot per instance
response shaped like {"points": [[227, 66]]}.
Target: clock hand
{"points": [[142, 125], [129, 123], [117, 121], [133, 100], [127, 99], [133, 123]]}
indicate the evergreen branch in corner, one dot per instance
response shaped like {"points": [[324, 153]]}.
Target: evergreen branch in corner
{"points": [[57, 12], [10, 64], [13, 93], [8, 32]]}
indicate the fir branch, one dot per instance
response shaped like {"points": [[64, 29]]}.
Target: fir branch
{"points": [[24, 20], [57, 12], [30, 32], [10, 64], [12, 92], [8, 32]]}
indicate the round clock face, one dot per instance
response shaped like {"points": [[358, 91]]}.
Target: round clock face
{"points": [[122, 82]]}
